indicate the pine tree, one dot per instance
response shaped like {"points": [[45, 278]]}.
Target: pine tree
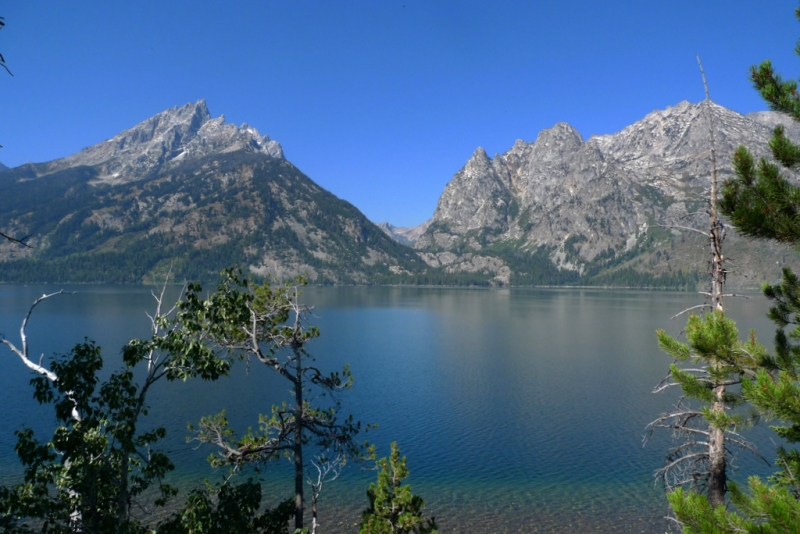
{"points": [[762, 203], [393, 509], [718, 358], [706, 430]]}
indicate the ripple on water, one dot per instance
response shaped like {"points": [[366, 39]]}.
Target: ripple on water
{"points": [[519, 411]]}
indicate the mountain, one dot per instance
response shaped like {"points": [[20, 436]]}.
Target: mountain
{"points": [[185, 192], [160, 143], [608, 210], [191, 194], [403, 234]]}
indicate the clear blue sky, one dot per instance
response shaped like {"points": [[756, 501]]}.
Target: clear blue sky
{"points": [[378, 101]]}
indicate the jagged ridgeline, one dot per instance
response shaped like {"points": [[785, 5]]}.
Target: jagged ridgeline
{"points": [[597, 209], [191, 193]]}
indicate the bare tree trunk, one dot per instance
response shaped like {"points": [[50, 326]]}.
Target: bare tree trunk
{"points": [[716, 438], [298, 441], [717, 479], [314, 513], [327, 470]]}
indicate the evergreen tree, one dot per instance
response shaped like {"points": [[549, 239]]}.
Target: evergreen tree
{"points": [[762, 203], [393, 509], [718, 358], [701, 461]]}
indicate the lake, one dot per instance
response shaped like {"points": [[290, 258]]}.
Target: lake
{"points": [[520, 410]]}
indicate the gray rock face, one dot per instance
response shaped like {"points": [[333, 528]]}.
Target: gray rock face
{"points": [[593, 200], [167, 139], [771, 120], [477, 197]]}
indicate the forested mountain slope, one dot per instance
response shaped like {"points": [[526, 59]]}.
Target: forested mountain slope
{"points": [[186, 192]]}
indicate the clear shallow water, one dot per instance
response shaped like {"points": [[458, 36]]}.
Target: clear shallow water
{"points": [[519, 410]]}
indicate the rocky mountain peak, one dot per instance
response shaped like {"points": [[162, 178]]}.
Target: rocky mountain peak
{"points": [[674, 142], [552, 145], [167, 138], [191, 194], [589, 205], [562, 136], [479, 157]]}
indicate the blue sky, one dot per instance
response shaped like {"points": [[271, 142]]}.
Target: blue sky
{"points": [[378, 101]]}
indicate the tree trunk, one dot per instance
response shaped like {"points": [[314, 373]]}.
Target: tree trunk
{"points": [[298, 441], [122, 499], [314, 512], [717, 477], [716, 438]]}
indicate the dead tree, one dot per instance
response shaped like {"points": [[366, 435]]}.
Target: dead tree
{"points": [[328, 470], [23, 351]]}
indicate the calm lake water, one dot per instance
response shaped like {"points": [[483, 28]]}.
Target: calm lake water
{"points": [[519, 410]]}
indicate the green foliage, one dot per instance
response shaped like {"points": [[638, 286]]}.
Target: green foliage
{"points": [[765, 509], [713, 341], [775, 389], [99, 465], [718, 361], [266, 323], [763, 204], [228, 509], [392, 506], [760, 202], [697, 516], [74, 482]]}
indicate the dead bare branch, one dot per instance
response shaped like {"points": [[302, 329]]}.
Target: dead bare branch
{"points": [[689, 309], [328, 470], [687, 228], [22, 351], [20, 241]]}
